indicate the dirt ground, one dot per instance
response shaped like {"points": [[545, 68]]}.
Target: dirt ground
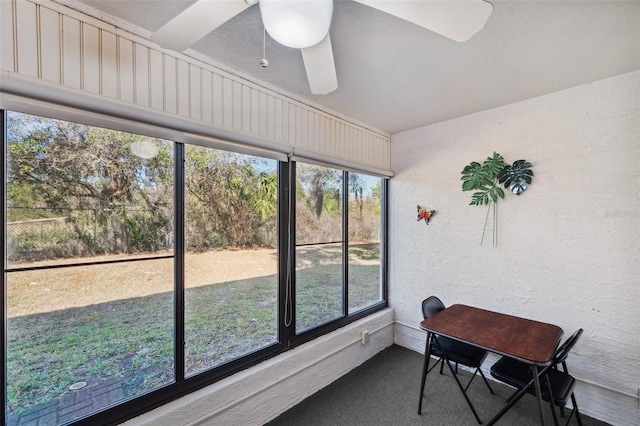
{"points": [[49, 290]]}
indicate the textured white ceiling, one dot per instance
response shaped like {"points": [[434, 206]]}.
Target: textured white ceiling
{"points": [[396, 76]]}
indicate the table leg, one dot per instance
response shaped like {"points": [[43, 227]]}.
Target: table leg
{"points": [[536, 384], [425, 369]]}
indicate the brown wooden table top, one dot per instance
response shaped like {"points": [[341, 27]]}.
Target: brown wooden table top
{"points": [[530, 341]]}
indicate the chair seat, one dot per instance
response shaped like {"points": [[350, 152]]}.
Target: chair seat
{"points": [[459, 352], [518, 375]]}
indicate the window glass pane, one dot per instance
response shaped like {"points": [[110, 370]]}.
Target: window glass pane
{"points": [[231, 260], [83, 334], [319, 259], [365, 208]]}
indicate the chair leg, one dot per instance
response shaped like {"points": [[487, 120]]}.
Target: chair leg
{"points": [[455, 370], [486, 382], [575, 408], [478, 370], [466, 397], [437, 344], [473, 376], [573, 400], [510, 403], [551, 403], [434, 365], [515, 392], [553, 413]]}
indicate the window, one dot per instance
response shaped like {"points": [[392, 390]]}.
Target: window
{"points": [[365, 247], [231, 257], [89, 252], [139, 269], [330, 286], [319, 245]]}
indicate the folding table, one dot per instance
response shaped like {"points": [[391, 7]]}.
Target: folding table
{"points": [[528, 341]]}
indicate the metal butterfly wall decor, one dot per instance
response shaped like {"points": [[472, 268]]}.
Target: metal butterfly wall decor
{"points": [[424, 214]]}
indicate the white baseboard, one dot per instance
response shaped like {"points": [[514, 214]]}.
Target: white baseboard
{"points": [[261, 393]]}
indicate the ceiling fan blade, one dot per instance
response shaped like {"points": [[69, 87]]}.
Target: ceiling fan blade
{"points": [[320, 66], [458, 20], [195, 22]]}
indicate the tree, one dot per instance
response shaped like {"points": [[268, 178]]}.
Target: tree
{"points": [[89, 173], [71, 165], [267, 196], [226, 199], [317, 180], [356, 186]]}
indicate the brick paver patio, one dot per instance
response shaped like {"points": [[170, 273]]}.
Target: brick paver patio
{"points": [[71, 405]]}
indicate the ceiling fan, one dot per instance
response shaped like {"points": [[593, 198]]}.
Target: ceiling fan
{"points": [[304, 24]]}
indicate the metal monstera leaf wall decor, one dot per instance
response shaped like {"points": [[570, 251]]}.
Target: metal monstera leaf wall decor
{"points": [[484, 179], [516, 177]]}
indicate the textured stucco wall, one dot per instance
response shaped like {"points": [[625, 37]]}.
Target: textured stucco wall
{"points": [[568, 248]]}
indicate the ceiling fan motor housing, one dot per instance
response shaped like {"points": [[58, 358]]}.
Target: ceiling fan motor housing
{"points": [[298, 24]]}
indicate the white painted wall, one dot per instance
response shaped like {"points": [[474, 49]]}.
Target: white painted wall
{"points": [[568, 248]]}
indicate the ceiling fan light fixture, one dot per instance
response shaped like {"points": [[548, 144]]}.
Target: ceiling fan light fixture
{"points": [[297, 23]]}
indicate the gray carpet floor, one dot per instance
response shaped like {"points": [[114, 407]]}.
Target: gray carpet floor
{"points": [[385, 390]]}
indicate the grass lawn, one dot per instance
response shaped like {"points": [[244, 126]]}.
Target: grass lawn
{"points": [[97, 323]]}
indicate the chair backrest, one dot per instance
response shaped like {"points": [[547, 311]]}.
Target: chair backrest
{"points": [[431, 306], [563, 351]]}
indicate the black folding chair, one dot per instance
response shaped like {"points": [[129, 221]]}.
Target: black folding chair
{"points": [[451, 351], [556, 386]]}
